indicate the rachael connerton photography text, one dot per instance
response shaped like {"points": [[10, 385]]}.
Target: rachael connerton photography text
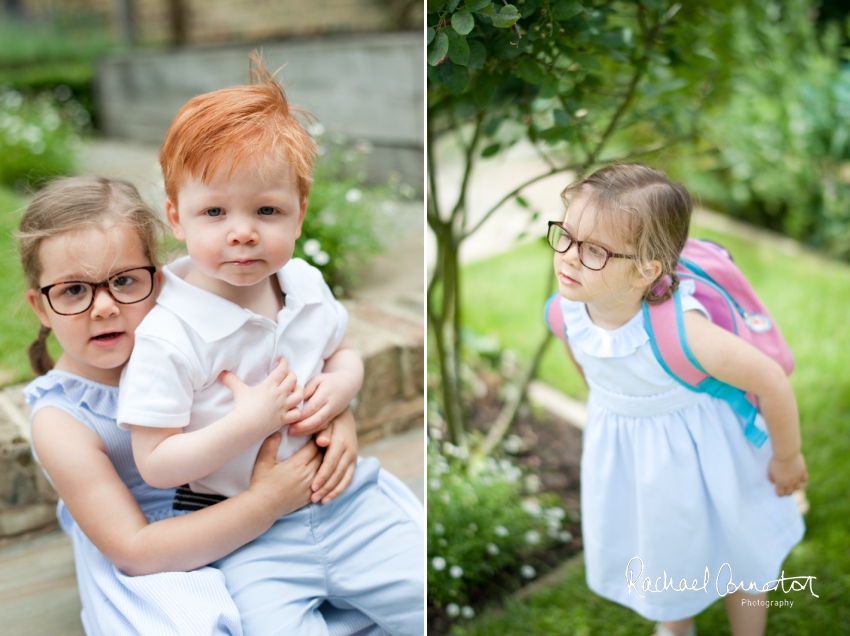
{"points": [[723, 583]]}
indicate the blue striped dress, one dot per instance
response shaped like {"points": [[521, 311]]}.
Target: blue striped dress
{"points": [[167, 603]]}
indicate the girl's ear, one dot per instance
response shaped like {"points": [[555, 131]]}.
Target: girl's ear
{"points": [[174, 220], [649, 274], [34, 300]]}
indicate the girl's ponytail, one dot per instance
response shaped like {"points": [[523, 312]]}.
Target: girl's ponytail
{"points": [[40, 360], [663, 289]]}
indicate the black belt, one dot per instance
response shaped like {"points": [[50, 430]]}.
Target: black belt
{"points": [[185, 499]]}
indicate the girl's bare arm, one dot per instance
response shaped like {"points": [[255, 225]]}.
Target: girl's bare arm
{"points": [[84, 477], [734, 361]]}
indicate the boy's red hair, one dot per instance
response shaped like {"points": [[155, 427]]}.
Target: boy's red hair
{"points": [[220, 130]]}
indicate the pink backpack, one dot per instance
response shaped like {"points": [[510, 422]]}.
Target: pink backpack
{"points": [[732, 304]]}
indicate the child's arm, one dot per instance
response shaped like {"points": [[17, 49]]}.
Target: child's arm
{"points": [[734, 361], [74, 457], [168, 457], [337, 470], [329, 393]]}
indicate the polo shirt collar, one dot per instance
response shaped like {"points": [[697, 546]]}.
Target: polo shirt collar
{"points": [[213, 317]]}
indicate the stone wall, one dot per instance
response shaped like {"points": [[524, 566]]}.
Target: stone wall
{"points": [[360, 88], [219, 21]]}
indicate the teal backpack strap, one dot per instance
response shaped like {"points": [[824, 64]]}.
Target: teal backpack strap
{"points": [[665, 326], [554, 318]]}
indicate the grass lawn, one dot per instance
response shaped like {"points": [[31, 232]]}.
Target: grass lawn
{"points": [[18, 324], [809, 297]]}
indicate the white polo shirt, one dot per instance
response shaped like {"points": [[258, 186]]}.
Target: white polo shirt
{"points": [[192, 335]]}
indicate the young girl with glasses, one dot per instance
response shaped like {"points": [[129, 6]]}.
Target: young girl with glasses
{"points": [[676, 502], [89, 252]]}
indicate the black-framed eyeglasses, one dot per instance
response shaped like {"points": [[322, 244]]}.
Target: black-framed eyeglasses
{"points": [[73, 297], [591, 255]]}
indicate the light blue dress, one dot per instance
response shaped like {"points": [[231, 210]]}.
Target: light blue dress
{"points": [[670, 487], [168, 603]]}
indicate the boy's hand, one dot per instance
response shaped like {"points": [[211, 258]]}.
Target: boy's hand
{"points": [[285, 485], [788, 474], [269, 405], [327, 395], [337, 471]]}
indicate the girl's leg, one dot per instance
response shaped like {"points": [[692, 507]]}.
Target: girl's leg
{"points": [[747, 613], [678, 627]]}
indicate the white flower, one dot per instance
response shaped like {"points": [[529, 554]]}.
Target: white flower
{"points": [[581, 112], [565, 536], [532, 483], [439, 528], [532, 507], [512, 444], [435, 433], [467, 612], [312, 247], [434, 483], [322, 258], [528, 571], [492, 549], [501, 531], [555, 513], [455, 571], [532, 537], [452, 610], [438, 563], [353, 196]]}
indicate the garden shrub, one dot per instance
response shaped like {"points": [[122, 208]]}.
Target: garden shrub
{"points": [[346, 218], [775, 150], [39, 136], [486, 522]]}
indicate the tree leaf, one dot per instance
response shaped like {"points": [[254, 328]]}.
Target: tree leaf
{"points": [[458, 48], [455, 78], [548, 87], [529, 70], [562, 118], [491, 150], [485, 86], [431, 33], [438, 49], [477, 5], [507, 17], [463, 22], [452, 5], [435, 6], [521, 201], [477, 55], [566, 9]]}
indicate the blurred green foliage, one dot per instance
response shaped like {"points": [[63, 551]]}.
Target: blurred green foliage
{"points": [[775, 147], [39, 136], [38, 55]]}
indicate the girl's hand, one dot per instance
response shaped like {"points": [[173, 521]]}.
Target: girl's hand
{"points": [[285, 485], [327, 395], [788, 474], [337, 471], [269, 405]]}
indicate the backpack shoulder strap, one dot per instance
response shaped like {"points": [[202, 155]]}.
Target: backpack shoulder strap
{"points": [[666, 328], [554, 318]]}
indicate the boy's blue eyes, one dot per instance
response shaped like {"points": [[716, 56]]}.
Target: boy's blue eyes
{"points": [[266, 210]]}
